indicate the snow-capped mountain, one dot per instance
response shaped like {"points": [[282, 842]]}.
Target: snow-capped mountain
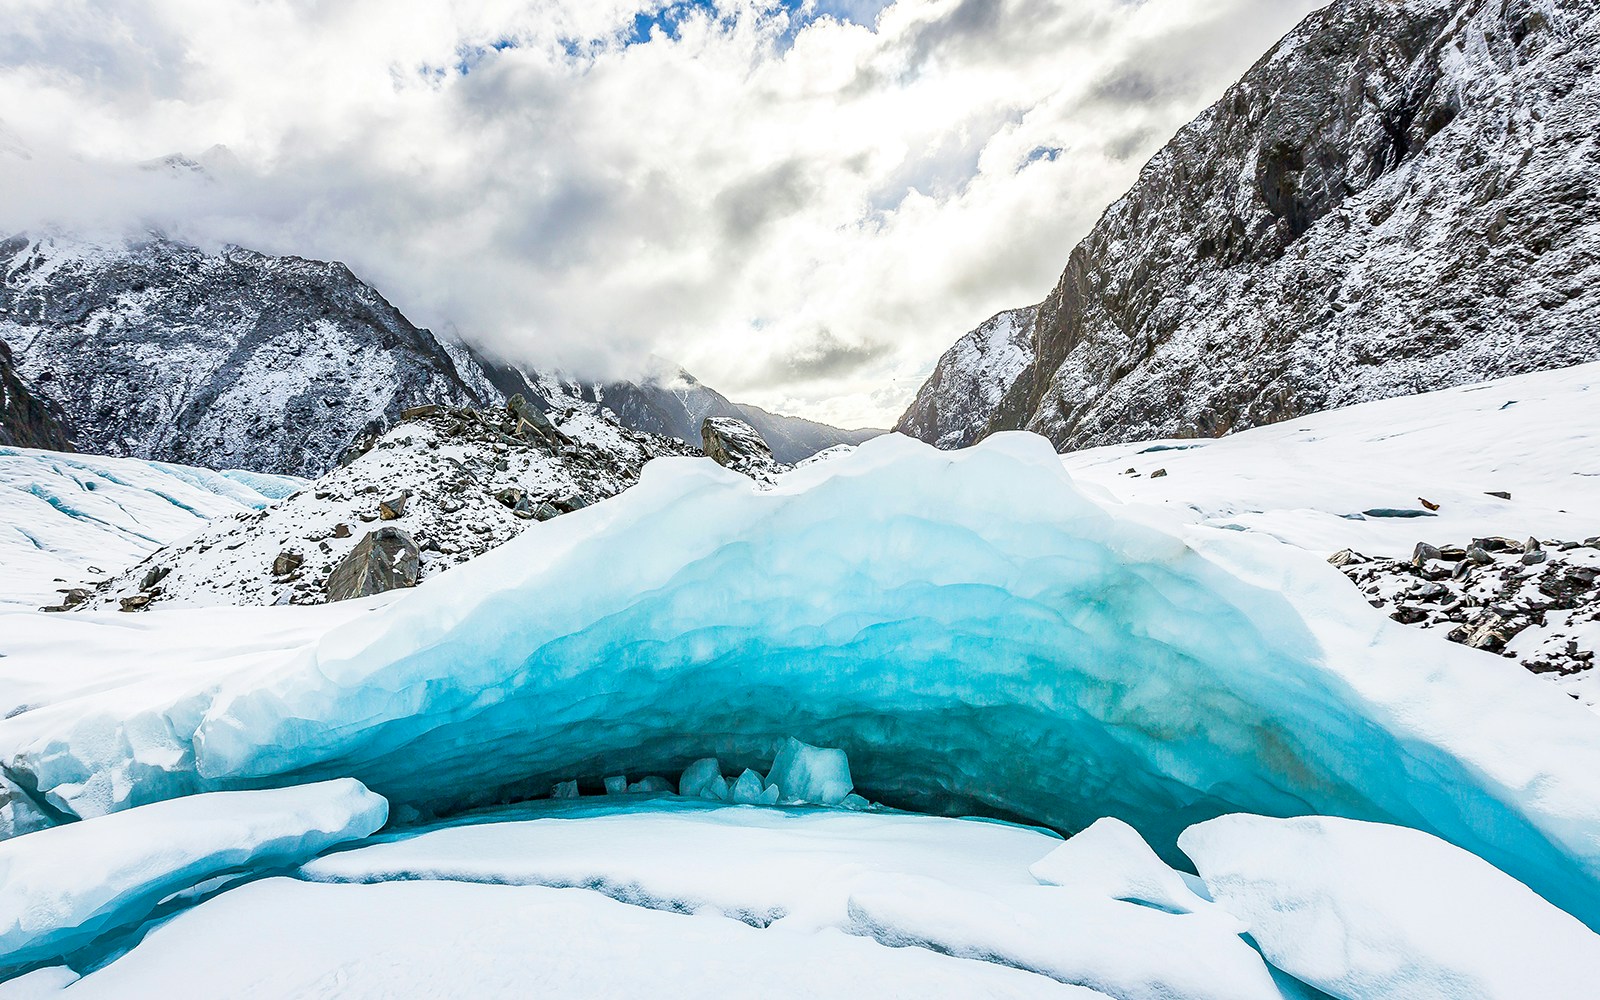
{"points": [[160, 350], [962, 397], [1398, 197], [673, 403], [156, 349]]}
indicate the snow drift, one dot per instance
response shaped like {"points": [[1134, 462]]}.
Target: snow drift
{"points": [[976, 634]]}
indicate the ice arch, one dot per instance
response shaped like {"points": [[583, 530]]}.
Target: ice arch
{"points": [[974, 631]]}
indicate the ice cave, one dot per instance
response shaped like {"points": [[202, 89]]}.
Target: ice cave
{"points": [[976, 634]]}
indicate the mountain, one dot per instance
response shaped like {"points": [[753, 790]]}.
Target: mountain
{"points": [[159, 350], [954, 408], [26, 419], [1398, 197], [673, 403], [152, 348]]}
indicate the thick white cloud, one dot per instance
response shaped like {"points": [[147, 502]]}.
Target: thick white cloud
{"points": [[804, 207]]}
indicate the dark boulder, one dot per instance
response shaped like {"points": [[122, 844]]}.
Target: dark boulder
{"points": [[386, 559]]}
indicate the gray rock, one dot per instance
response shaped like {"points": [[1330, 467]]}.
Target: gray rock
{"points": [[287, 562], [1159, 474], [394, 507], [1347, 557], [1477, 555], [1365, 214], [1535, 557], [736, 445], [384, 560], [1423, 553]]}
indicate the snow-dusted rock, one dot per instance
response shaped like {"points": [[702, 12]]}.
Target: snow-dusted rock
{"points": [[1397, 197], [156, 349], [61, 888], [962, 397], [1368, 910], [470, 484], [736, 445]]}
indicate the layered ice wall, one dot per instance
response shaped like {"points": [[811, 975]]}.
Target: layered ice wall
{"points": [[976, 634]]}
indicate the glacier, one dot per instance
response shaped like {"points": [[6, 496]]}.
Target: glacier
{"points": [[1370, 910], [972, 630], [64, 887]]}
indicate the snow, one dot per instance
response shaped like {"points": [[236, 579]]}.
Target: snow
{"points": [[63, 887], [1121, 949], [66, 519], [789, 866], [976, 634], [281, 938], [1308, 481], [1110, 859], [1366, 910]]}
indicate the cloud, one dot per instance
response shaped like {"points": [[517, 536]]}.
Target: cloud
{"points": [[802, 202]]}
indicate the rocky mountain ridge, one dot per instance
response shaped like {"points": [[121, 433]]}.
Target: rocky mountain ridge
{"points": [[1397, 198], [152, 348]]}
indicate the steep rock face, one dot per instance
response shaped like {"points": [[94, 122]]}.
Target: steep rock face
{"points": [[160, 350], [954, 408], [1398, 197], [28, 420]]}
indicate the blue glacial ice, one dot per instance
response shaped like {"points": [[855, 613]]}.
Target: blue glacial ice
{"points": [[64, 887], [976, 634]]}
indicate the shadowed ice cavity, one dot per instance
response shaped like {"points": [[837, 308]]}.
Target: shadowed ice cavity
{"points": [[975, 633]]}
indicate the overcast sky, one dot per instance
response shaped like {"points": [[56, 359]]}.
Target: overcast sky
{"points": [[802, 203]]}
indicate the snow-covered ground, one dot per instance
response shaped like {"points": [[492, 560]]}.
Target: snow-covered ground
{"points": [[69, 520], [1311, 481], [979, 631]]}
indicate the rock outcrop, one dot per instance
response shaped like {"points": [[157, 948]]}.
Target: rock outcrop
{"points": [[1534, 602], [736, 445], [1398, 197], [28, 420], [384, 560]]}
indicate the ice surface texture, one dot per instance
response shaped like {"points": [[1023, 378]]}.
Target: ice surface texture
{"points": [[1368, 910], [61, 888], [972, 631]]}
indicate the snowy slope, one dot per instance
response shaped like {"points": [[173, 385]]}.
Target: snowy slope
{"points": [[1398, 197], [1310, 483], [67, 520], [464, 478]]}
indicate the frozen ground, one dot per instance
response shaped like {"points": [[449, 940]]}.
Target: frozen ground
{"points": [[981, 634], [1309, 481], [68, 520], [974, 632]]}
